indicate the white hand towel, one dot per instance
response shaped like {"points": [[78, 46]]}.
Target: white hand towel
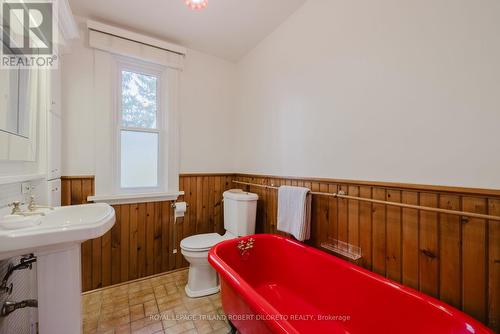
{"points": [[294, 211]]}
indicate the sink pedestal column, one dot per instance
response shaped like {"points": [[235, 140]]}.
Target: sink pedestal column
{"points": [[59, 290]]}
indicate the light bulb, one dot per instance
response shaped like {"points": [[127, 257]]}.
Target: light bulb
{"points": [[196, 4]]}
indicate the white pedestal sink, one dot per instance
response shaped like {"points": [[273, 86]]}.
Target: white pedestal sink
{"points": [[55, 240]]}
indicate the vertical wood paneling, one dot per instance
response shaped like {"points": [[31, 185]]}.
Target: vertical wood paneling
{"points": [[65, 192], [205, 224], [494, 266], [474, 260], [106, 259], [218, 205], [379, 244], [124, 242], [365, 228], [87, 190], [320, 230], [193, 202], [428, 247], [333, 210], [157, 250], [353, 216], [96, 264], [177, 235], [450, 252], [76, 192], [186, 221], [268, 210], [199, 205], [410, 241], [165, 232], [211, 204], [150, 236], [141, 241], [134, 235], [315, 212], [115, 247], [86, 255], [271, 216], [343, 223], [393, 231]]}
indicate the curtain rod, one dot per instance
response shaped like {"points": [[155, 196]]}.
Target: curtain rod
{"points": [[343, 195]]}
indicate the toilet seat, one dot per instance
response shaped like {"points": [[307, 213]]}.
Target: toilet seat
{"points": [[200, 242], [203, 242]]}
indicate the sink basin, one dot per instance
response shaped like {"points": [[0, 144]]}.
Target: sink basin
{"points": [[15, 222], [66, 224]]}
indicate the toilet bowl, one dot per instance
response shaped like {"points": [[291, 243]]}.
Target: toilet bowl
{"points": [[202, 278], [240, 209]]}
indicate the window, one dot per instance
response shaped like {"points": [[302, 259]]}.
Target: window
{"points": [[140, 134], [135, 96]]}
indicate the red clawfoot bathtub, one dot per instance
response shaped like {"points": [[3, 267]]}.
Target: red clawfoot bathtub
{"points": [[283, 286]]}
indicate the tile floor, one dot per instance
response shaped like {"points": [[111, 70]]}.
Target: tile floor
{"points": [[154, 305]]}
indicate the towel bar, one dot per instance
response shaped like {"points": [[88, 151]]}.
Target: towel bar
{"points": [[341, 194]]}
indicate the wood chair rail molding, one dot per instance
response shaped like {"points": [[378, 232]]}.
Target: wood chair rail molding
{"points": [[387, 185]]}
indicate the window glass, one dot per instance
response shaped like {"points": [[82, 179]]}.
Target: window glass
{"points": [[139, 159], [138, 100]]}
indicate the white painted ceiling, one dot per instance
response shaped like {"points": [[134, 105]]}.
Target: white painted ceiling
{"points": [[226, 28]]}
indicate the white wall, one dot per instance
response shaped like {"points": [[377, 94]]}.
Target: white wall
{"points": [[206, 102], [386, 90], [369, 90], [206, 108], [78, 133]]}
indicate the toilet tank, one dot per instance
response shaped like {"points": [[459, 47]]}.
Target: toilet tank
{"points": [[240, 209]]}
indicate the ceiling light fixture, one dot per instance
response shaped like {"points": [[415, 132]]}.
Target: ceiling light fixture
{"points": [[196, 4]]}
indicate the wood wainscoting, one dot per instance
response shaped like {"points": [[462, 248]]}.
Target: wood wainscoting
{"points": [[451, 258], [145, 239], [448, 257]]}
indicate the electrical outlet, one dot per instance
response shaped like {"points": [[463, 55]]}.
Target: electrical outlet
{"points": [[174, 251], [26, 188]]}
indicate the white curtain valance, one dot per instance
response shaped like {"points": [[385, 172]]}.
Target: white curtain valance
{"points": [[141, 51]]}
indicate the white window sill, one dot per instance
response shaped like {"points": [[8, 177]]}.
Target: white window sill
{"points": [[135, 198]]}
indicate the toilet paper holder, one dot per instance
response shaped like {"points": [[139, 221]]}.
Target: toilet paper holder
{"points": [[173, 205]]}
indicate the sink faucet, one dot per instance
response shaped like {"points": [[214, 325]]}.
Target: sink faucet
{"points": [[17, 211], [32, 206], [16, 207]]}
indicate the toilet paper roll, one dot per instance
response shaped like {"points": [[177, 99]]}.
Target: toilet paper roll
{"points": [[180, 209]]}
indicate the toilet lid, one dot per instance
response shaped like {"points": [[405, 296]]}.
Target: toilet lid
{"points": [[201, 242]]}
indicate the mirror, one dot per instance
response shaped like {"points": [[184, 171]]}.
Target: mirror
{"points": [[14, 113], [20, 90]]}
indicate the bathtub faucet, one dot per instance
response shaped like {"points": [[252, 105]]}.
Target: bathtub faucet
{"points": [[245, 245]]}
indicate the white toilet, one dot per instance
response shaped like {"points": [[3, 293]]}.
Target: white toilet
{"points": [[239, 220]]}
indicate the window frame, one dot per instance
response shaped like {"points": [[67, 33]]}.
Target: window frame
{"points": [[139, 67]]}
